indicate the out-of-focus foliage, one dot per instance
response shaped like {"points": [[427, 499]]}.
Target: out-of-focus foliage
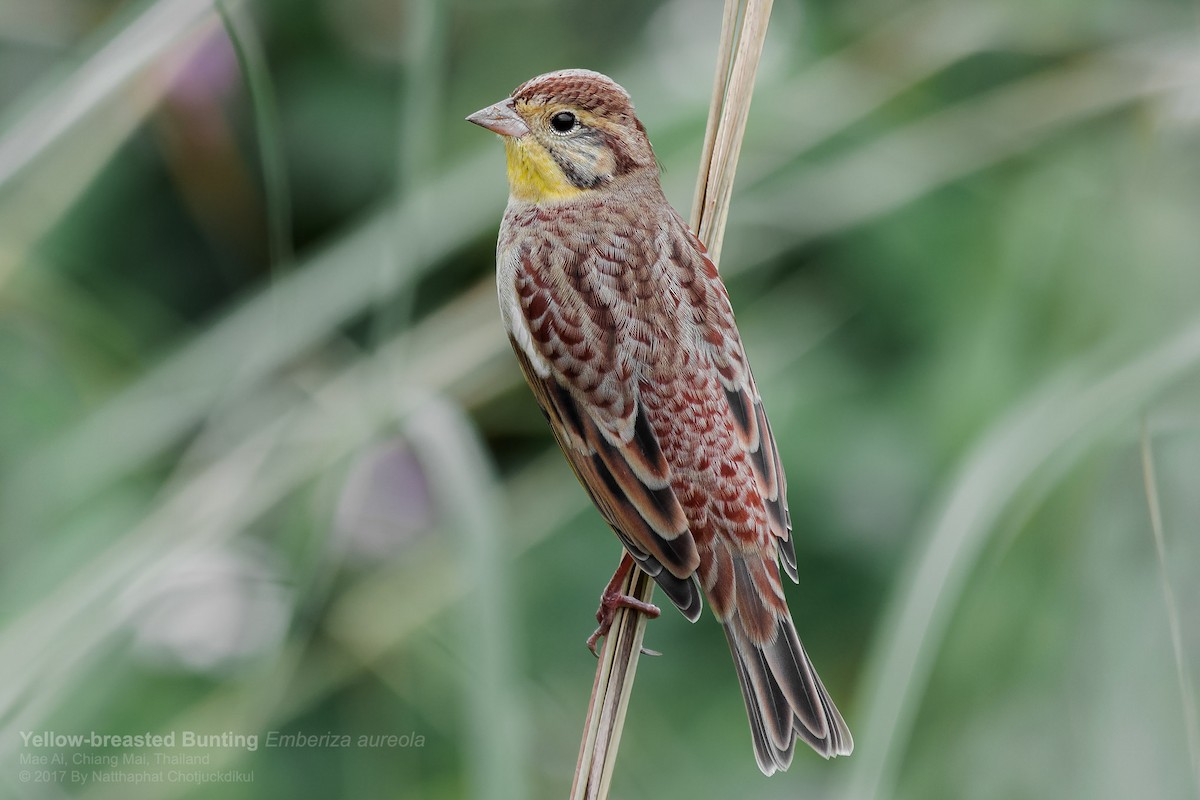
{"points": [[247, 488]]}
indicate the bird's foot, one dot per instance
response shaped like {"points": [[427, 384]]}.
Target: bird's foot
{"points": [[613, 599]]}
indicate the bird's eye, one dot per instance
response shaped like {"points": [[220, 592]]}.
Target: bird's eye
{"points": [[563, 122]]}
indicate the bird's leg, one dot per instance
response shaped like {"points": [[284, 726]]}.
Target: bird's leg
{"points": [[612, 599]]}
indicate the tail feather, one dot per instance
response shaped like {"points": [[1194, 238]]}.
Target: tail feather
{"points": [[768, 751], [796, 677], [785, 699]]}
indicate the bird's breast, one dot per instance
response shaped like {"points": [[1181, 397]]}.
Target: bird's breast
{"points": [[603, 271]]}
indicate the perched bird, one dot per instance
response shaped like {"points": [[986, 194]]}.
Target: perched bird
{"points": [[626, 336]]}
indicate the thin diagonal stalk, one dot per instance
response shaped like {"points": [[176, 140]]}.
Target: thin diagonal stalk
{"points": [[1182, 670], [737, 64], [1053, 422]]}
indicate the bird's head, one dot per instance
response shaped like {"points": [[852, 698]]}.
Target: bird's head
{"points": [[568, 133]]}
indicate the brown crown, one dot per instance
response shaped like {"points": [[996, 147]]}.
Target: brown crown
{"points": [[579, 88]]}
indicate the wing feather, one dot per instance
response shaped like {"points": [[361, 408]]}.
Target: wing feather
{"points": [[745, 405], [645, 513]]}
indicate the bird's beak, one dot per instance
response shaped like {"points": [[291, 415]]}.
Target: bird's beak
{"points": [[500, 118]]}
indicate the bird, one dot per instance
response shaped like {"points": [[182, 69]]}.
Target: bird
{"points": [[624, 332]]}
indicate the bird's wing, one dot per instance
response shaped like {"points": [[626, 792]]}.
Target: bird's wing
{"points": [[593, 407], [644, 512], [756, 438], [785, 699], [724, 346]]}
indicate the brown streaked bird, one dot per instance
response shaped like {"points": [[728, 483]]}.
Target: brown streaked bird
{"points": [[625, 334]]}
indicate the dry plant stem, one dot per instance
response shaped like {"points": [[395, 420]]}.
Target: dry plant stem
{"points": [[713, 212], [737, 64], [729, 21], [1182, 670], [610, 693]]}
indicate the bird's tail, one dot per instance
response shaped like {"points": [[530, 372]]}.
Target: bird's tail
{"points": [[785, 698]]}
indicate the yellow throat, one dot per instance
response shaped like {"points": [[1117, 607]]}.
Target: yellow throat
{"points": [[533, 176]]}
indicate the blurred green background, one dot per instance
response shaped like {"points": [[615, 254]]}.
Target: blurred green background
{"points": [[266, 463]]}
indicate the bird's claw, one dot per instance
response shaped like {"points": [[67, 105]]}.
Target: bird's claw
{"points": [[610, 602]]}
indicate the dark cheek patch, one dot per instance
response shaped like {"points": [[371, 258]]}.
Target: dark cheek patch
{"points": [[578, 178], [578, 175]]}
